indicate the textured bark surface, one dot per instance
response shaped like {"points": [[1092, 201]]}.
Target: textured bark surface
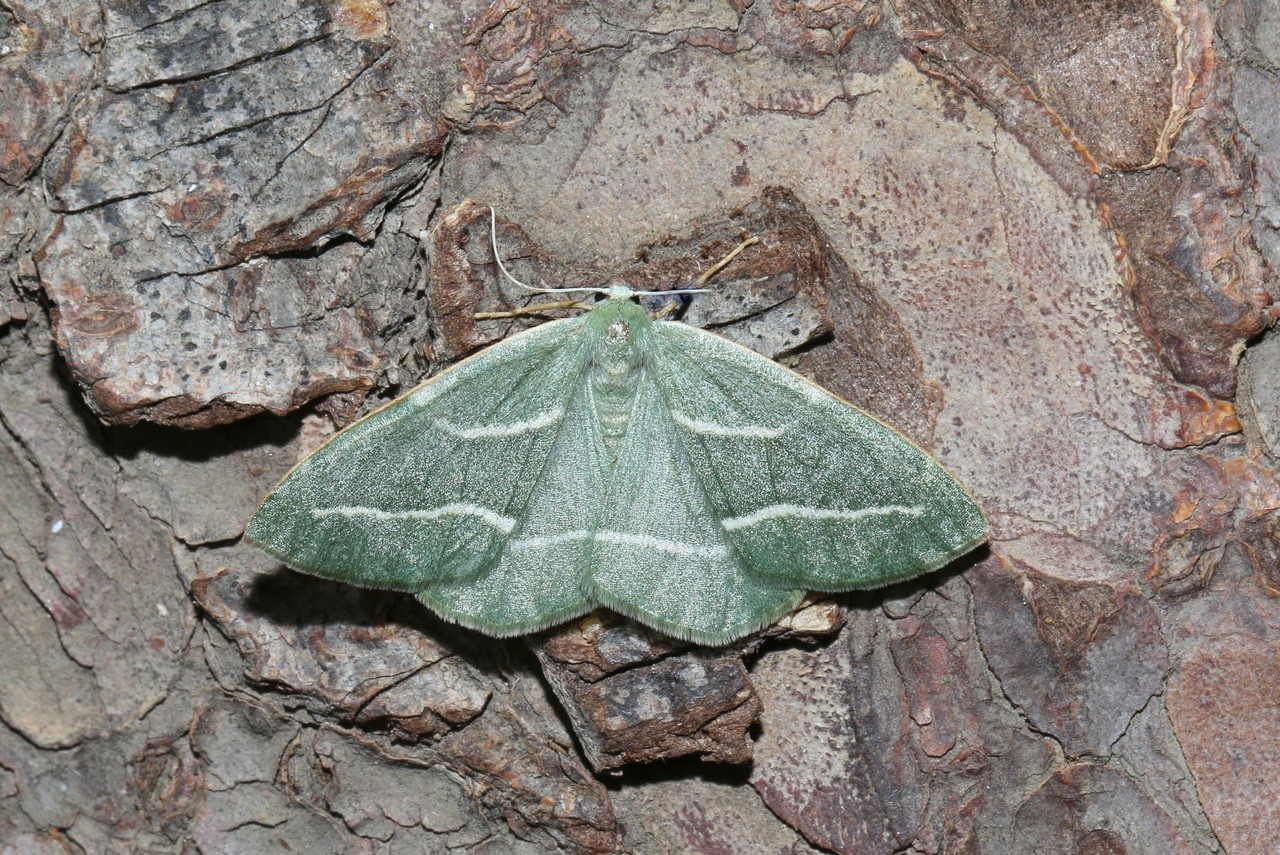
{"points": [[1041, 239]]}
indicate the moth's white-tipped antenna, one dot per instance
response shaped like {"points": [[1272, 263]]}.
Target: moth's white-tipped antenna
{"points": [[493, 241], [613, 290], [678, 291]]}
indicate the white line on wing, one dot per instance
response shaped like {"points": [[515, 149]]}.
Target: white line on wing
{"points": [[542, 541], [623, 538], [501, 523], [801, 512], [497, 431], [704, 428]]}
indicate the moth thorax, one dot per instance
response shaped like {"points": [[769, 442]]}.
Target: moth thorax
{"points": [[618, 333], [616, 367]]}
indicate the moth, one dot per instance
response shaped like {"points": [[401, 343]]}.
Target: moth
{"points": [[615, 460]]}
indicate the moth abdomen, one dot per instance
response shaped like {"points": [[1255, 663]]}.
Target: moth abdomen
{"points": [[617, 366]]}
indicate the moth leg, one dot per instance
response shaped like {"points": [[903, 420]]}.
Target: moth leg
{"points": [[667, 309], [535, 309], [724, 262]]}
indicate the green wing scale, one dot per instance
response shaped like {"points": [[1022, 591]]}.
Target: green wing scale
{"points": [[650, 467]]}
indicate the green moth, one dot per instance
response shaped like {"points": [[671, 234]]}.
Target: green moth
{"points": [[611, 459]]}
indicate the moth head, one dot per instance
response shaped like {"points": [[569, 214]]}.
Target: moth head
{"points": [[618, 292]]}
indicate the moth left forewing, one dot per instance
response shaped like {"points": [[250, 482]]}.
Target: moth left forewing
{"points": [[811, 491]]}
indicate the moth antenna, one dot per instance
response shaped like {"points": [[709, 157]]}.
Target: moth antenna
{"points": [[493, 241], [678, 291]]}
